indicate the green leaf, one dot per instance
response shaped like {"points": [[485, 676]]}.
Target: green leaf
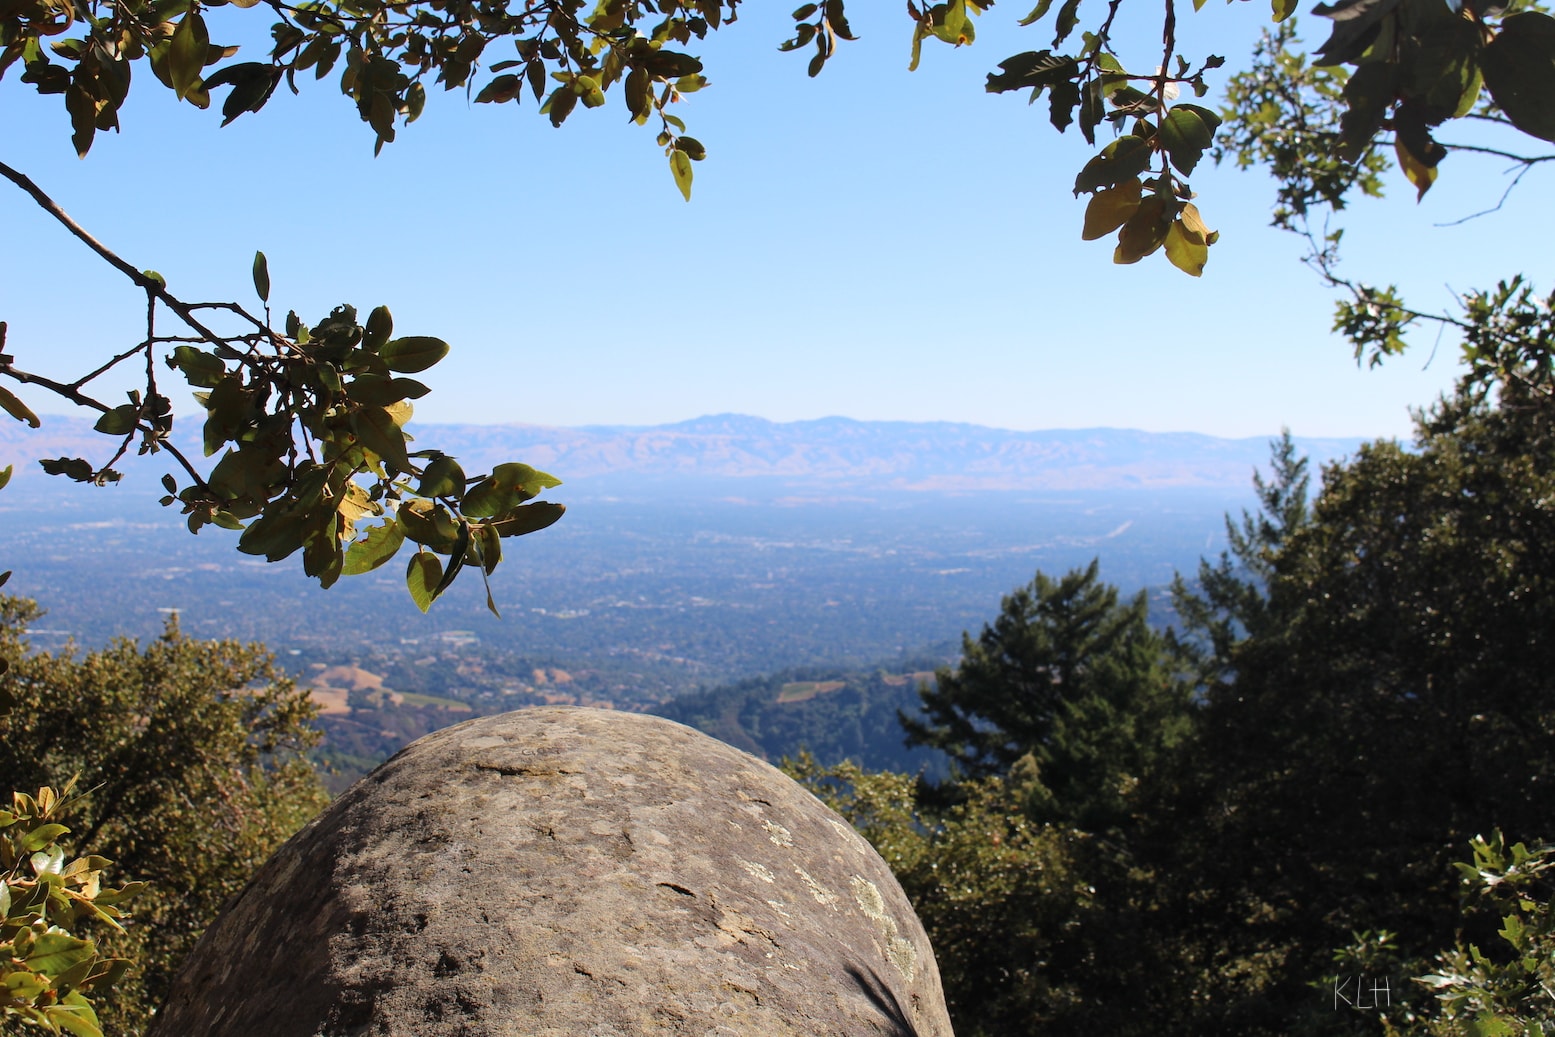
{"points": [[378, 391], [1283, 9], [1110, 209], [377, 430], [500, 90], [119, 421], [276, 535], [508, 486], [1123, 159], [589, 91], [186, 54], [413, 353], [443, 477], [692, 147], [455, 560], [261, 276], [79, 1019], [381, 543], [380, 325], [423, 574], [16, 408], [428, 523], [1442, 69], [489, 542], [53, 953], [1037, 12], [199, 368], [560, 104], [638, 99], [680, 169], [1356, 24], [528, 519], [42, 836], [1185, 132], [5, 477], [1519, 69]]}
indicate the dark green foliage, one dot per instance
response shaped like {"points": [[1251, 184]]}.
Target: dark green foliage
{"points": [[1394, 696], [189, 757], [1069, 677], [1229, 602], [1001, 896]]}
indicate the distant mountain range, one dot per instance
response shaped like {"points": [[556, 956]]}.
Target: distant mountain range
{"points": [[840, 452]]}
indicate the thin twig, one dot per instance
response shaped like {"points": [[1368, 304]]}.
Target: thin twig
{"points": [[149, 284]]}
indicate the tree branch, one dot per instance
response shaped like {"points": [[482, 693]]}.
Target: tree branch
{"points": [[150, 285]]}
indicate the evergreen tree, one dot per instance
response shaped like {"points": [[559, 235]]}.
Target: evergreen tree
{"points": [[1068, 679]]}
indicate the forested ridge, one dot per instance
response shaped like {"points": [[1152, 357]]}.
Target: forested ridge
{"points": [[1308, 808]]}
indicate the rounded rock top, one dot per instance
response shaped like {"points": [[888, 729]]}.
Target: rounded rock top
{"points": [[566, 872]]}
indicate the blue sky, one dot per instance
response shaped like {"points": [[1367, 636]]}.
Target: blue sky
{"points": [[872, 243]]}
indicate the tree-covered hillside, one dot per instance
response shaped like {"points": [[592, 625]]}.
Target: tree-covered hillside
{"points": [[1236, 828], [832, 714]]}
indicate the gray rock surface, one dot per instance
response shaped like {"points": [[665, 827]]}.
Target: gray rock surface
{"points": [[564, 872]]}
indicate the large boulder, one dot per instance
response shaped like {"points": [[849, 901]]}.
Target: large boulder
{"points": [[564, 872]]}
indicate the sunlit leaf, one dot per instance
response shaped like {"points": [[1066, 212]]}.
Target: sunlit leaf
{"points": [[680, 168], [16, 408], [1186, 250], [423, 574], [413, 353], [378, 546], [507, 486]]}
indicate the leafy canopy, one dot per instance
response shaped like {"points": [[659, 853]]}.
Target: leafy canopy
{"points": [[190, 754], [47, 971]]}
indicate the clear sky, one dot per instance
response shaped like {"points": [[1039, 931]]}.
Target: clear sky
{"points": [[872, 243]]}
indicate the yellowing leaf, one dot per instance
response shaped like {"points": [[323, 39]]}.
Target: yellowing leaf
{"points": [[1194, 223], [1186, 249], [17, 409], [680, 168], [1110, 209], [1419, 174]]}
